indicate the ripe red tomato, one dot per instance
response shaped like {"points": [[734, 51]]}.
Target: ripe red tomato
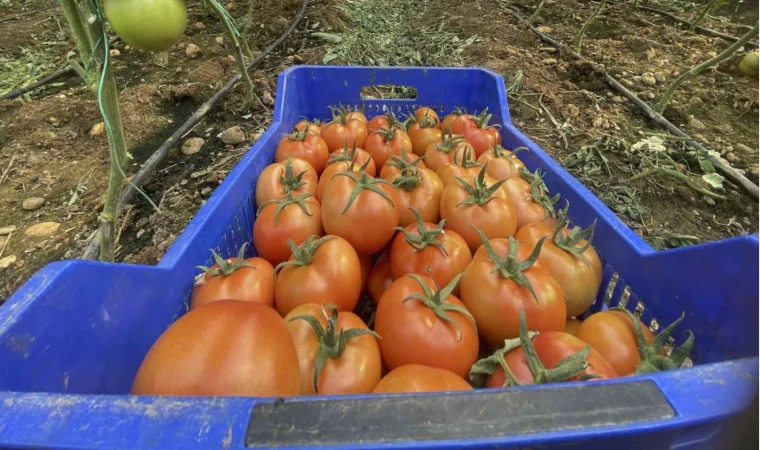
{"points": [[424, 132], [423, 112], [418, 378], [380, 277], [477, 131], [280, 221], [450, 118], [344, 130], [225, 348], [383, 121], [463, 166], [502, 163], [306, 146], [418, 188], [324, 270], [386, 142], [472, 202], [496, 289], [310, 126], [396, 164], [362, 210], [611, 333], [570, 259], [531, 199], [339, 167], [449, 150], [422, 323], [294, 176], [249, 280], [337, 353], [358, 156], [357, 115], [426, 249]]}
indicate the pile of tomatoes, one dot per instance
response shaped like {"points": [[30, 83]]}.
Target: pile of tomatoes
{"points": [[399, 256]]}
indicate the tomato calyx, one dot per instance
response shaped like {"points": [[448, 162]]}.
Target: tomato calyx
{"points": [[448, 142], [466, 160], [570, 242], [289, 179], [651, 360], [436, 301], [424, 237], [224, 266], [510, 267], [340, 114], [499, 151], [287, 201], [427, 121], [303, 254], [345, 155], [489, 364], [364, 182], [539, 192], [482, 119], [332, 342], [409, 178], [387, 133], [480, 192], [298, 135]]}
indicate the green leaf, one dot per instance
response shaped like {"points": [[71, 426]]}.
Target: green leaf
{"points": [[329, 57], [714, 180], [333, 38]]}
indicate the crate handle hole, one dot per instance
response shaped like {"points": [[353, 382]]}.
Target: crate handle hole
{"points": [[388, 92]]}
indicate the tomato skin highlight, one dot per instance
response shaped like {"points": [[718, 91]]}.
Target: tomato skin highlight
{"points": [[413, 334], [244, 350], [147, 25], [309, 147], [249, 284], [333, 276], [270, 187], [271, 236], [356, 371], [418, 378]]}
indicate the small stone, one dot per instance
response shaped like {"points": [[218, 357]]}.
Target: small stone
{"points": [[627, 83], [636, 78], [33, 203], [648, 79], [219, 40], [7, 261], [618, 99], [712, 54], [550, 61], [709, 201], [267, 99], [97, 129], [695, 101], [731, 157], [650, 96], [726, 128], [42, 229], [544, 29], [697, 124], [199, 26], [192, 145], [139, 234], [231, 59], [743, 148], [114, 52], [754, 171], [547, 50], [8, 229], [192, 51], [660, 77], [658, 62], [299, 59], [571, 111], [609, 94], [178, 70], [206, 191], [233, 136]]}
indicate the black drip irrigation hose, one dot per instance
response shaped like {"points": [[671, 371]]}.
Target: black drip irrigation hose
{"points": [[39, 83], [721, 166], [158, 156]]}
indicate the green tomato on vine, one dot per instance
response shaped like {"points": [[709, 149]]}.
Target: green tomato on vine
{"points": [[148, 25]]}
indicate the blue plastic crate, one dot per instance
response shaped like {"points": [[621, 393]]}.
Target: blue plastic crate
{"points": [[72, 338]]}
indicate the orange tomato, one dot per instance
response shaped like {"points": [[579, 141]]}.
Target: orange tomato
{"points": [[419, 378], [502, 163], [280, 221], [345, 129], [306, 146], [423, 112], [531, 200], [294, 176], [423, 133], [386, 142], [450, 118], [451, 149], [418, 188], [379, 278], [310, 126]]}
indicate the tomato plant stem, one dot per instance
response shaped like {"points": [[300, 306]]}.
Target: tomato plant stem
{"points": [[579, 38], [696, 70], [233, 38], [247, 28], [702, 14], [536, 12]]}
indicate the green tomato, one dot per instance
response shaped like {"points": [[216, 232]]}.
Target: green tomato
{"points": [[149, 25], [749, 64]]}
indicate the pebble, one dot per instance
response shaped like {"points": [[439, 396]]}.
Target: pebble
{"points": [[731, 157], [42, 229], [695, 101], [267, 99], [33, 203], [743, 148], [199, 26], [696, 124], [709, 201], [219, 40], [648, 79], [660, 77], [232, 136], [547, 50], [206, 191], [550, 61], [618, 99], [627, 83], [97, 129], [571, 111], [192, 51], [711, 54], [114, 52], [544, 29], [650, 96], [610, 94], [7, 261], [139, 234], [192, 145], [658, 62], [754, 170], [726, 128], [8, 229], [299, 59]]}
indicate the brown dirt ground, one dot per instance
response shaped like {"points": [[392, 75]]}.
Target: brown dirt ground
{"points": [[46, 146]]}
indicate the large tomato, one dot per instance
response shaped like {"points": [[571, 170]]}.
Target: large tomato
{"points": [[473, 203], [418, 378], [383, 121], [380, 277], [339, 167], [304, 145], [531, 199], [464, 165], [358, 156], [423, 112], [294, 176], [427, 249], [225, 348], [418, 188], [570, 259], [449, 150], [424, 132], [450, 118], [324, 270], [397, 164], [496, 289], [422, 323], [502, 163], [362, 210], [343, 130], [249, 280], [280, 221], [148, 25], [310, 126], [386, 142], [477, 131], [337, 353], [549, 357]]}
